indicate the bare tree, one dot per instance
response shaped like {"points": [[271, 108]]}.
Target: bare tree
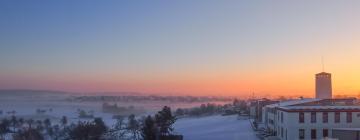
{"points": [[133, 127], [119, 130]]}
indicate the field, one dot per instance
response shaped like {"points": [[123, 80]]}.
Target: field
{"points": [[215, 128], [54, 107]]}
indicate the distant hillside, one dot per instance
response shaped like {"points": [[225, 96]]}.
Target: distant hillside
{"points": [[26, 92]]}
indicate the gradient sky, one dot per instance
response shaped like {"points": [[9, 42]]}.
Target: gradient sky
{"points": [[187, 47]]}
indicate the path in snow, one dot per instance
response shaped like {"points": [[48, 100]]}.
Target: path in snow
{"points": [[215, 128]]}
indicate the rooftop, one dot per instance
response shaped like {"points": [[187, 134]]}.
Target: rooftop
{"points": [[323, 73], [293, 102], [353, 107], [347, 129]]}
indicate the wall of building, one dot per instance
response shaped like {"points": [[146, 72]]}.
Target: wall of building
{"points": [[291, 124], [346, 135]]}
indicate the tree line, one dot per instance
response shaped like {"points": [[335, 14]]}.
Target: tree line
{"points": [[151, 127], [212, 109]]}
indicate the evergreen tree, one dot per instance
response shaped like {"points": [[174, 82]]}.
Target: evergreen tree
{"points": [[94, 130], [165, 120], [4, 127], [14, 122], [47, 123], [50, 131], [39, 125], [29, 134], [30, 122], [64, 121], [21, 122], [99, 128], [148, 130]]}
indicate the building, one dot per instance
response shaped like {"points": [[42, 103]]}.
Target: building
{"points": [[256, 108], [270, 113], [323, 85], [312, 118]]}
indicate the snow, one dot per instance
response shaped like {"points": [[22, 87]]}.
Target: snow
{"points": [[25, 107], [215, 128], [322, 107], [293, 102]]}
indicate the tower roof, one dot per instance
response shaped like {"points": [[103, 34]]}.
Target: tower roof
{"points": [[323, 73]]}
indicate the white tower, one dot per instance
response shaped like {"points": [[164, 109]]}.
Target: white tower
{"points": [[323, 85]]}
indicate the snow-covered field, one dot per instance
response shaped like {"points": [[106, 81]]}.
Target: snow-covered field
{"points": [[215, 128], [26, 106], [204, 128]]}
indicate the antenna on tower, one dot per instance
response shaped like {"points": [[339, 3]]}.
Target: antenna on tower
{"points": [[322, 63]]}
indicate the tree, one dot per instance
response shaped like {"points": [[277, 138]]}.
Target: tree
{"points": [[88, 130], [165, 120], [179, 112], [13, 122], [119, 129], [50, 131], [4, 127], [39, 125], [148, 130], [21, 122], [30, 122], [235, 102], [47, 123], [100, 127], [133, 126], [57, 132], [29, 134], [63, 121]]}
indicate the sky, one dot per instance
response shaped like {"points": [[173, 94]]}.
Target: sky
{"points": [[180, 47]]}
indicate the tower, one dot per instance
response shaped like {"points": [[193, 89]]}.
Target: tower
{"points": [[323, 85]]}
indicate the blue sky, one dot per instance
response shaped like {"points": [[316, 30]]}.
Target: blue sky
{"points": [[138, 43]]}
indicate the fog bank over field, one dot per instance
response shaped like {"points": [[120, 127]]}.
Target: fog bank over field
{"points": [[40, 104]]}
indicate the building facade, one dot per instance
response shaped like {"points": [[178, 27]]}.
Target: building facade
{"points": [[311, 119], [256, 108]]}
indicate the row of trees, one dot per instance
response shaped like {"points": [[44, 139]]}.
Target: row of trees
{"points": [[132, 98], [203, 109], [211, 109], [144, 128], [30, 129]]}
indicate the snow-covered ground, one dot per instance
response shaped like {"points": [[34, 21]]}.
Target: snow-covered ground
{"points": [[215, 128], [25, 107]]}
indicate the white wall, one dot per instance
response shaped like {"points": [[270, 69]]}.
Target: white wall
{"points": [[291, 124]]}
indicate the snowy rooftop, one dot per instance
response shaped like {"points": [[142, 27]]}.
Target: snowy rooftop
{"points": [[321, 107], [293, 102], [347, 129]]}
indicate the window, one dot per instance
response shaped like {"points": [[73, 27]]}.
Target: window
{"points": [[301, 134], [325, 117], [278, 115], [282, 117], [348, 117], [271, 121], [337, 117], [313, 133], [301, 117], [282, 132], [313, 117], [325, 133]]}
